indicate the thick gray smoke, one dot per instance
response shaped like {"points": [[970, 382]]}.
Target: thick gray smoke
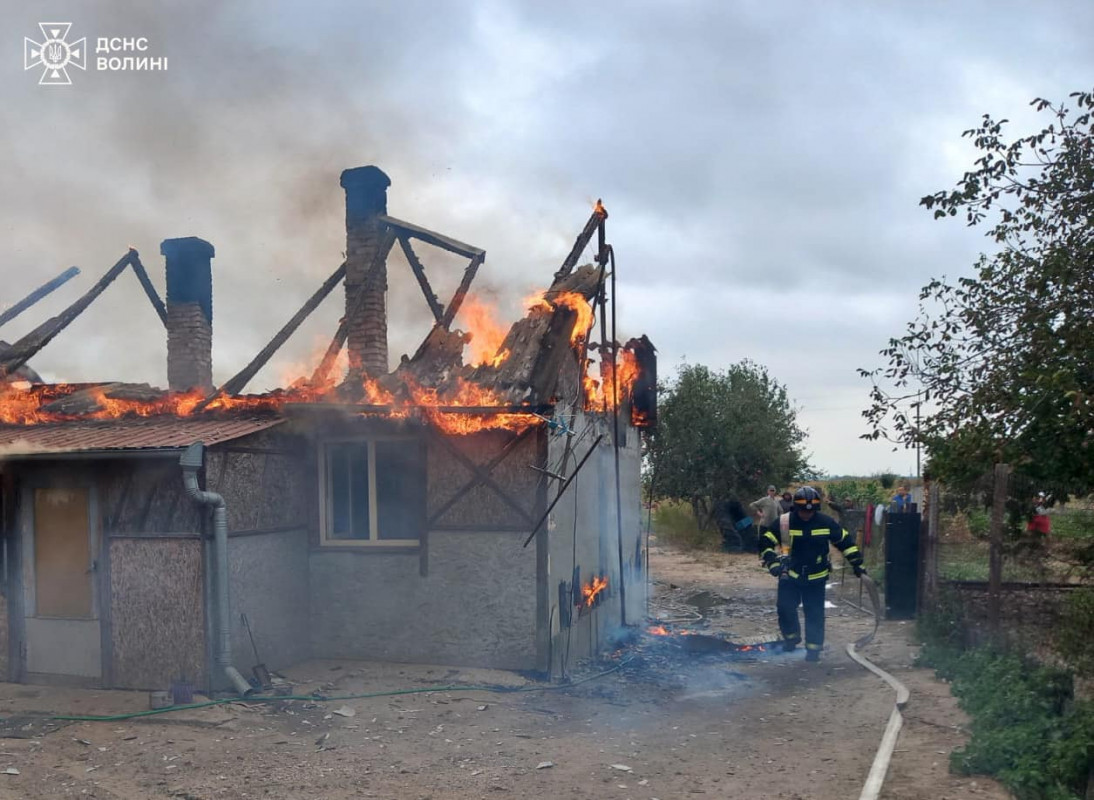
{"points": [[753, 158]]}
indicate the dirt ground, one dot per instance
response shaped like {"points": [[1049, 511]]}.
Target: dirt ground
{"points": [[665, 724]]}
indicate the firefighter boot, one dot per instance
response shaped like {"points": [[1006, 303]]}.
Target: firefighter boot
{"points": [[812, 655]]}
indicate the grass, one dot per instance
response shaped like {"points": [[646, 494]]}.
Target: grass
{"points": [[674, 524], [1078, 524], [969, 561], [964, 547]]}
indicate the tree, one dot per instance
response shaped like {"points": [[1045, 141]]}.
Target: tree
{"points": [[724, 434], [1001, 364]]}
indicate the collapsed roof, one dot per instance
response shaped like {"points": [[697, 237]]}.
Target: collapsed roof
{"points": [[543, 359]]}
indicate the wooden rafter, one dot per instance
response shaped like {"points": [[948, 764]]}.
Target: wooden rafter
{"points": [[149, 289], [18, 308], [461, 290], [419, 273], [235, 384], [432, 237], [583, 238], [27, 347]]}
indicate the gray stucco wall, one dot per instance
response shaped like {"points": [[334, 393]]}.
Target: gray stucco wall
{"points": [[269, 583], [475, 607], [467, 595], [583, 530], [266, 481]]}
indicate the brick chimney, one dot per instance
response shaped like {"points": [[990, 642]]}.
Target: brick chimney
{"points": [[366, 197], [189, 313]]}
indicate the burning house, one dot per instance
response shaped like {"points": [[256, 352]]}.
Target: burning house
{"points": [[443, 512]]}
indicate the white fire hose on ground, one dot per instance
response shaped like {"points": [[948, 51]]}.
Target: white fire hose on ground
{"points": [[876, 777]]}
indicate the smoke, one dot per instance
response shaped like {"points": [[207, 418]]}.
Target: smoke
{"points": [[241, 141]]}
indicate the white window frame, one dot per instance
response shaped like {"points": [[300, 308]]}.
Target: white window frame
{"points": [[326, 499]]}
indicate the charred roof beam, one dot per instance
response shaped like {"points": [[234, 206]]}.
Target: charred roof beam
{"points": [[432, 237], [419, 273], [27, 347], [38, 294], [237, 382]]}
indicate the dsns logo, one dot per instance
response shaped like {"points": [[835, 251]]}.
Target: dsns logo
{"points": [[55, 55]]}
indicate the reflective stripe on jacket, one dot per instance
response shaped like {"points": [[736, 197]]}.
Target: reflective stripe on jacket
{"points": [[808, 542]]}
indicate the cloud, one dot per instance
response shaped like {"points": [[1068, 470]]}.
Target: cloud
{"points": [[762, 166]]}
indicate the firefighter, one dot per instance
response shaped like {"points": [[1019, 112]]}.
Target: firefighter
{"points": [[803, 572]]}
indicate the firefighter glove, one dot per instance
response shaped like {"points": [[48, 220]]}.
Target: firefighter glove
{"points": [[776, 569]]}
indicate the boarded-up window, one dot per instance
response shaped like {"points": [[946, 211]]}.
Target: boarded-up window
{"points": [[374, 492], [62, 554]]}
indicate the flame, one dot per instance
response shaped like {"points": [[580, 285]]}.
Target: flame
{"points": [[603, 395], [487, 333], [432, 403], [658, 630], [590, 591], [22, 403], [575, 301]]}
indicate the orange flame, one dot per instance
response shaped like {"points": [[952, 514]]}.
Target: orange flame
{"points": [[603, 395], [590, 591], [574, 301], [577, 303], [22, 403], [487, 333], [658, 630]]}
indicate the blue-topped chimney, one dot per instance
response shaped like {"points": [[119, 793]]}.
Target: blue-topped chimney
{"points": [[189, 313]]}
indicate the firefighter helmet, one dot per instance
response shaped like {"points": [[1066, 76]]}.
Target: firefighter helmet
{"points": [[807, 499]]}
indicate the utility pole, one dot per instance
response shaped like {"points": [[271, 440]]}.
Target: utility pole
{"points": [[918, 471]]}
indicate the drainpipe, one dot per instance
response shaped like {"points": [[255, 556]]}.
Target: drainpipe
{"points": [[191, 462]]}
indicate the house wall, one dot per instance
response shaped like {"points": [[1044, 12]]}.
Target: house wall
{"points": [[148, 568], [583, 532], [154, 570], [7, 555], [468, 594], [156, 611], [264, 480]]}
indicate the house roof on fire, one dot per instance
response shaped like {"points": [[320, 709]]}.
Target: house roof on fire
{"points": [[530, 371], [144, 434]]}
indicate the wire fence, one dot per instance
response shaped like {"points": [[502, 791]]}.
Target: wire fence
{"points": [[1008, 551]]}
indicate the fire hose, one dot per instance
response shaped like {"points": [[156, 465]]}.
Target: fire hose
{"points": [[876, 777]]}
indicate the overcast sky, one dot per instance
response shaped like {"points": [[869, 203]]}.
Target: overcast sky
{"points": [[762, 165]]}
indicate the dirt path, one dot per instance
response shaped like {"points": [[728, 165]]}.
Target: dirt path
{"points": [[668, 724]]}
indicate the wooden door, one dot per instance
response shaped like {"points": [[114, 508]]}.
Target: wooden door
{"points": [[62, 626]]}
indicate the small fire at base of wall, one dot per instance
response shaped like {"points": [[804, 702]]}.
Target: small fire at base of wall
{"points": [[590, 595]]}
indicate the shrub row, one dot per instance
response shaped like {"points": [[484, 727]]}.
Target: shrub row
{"points": [[1026, 728]]}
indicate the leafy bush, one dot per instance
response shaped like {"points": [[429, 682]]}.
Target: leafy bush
{"points": [[979, 522], [1025, 729], [862, 492], [887, 480]]}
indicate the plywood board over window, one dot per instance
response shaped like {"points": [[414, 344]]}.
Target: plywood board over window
{"points": [[62, 554], [373, 492]]}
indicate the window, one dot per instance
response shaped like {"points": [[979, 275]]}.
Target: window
{"points": [[373, 492]]}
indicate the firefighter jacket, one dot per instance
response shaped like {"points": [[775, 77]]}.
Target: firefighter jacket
{"points": [[809, 541]]}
